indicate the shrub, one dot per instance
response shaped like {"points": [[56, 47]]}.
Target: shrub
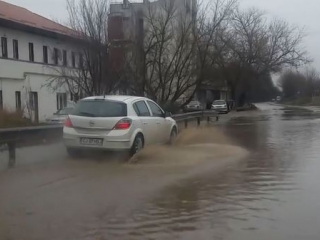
{"points": [[10, 119]]}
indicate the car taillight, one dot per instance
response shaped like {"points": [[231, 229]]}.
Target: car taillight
{"points": [[123, 124], [68, 123]]}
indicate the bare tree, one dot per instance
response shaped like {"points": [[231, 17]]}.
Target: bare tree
{"points": [[213, 26], [312, 79], [91, 74], [169, 66], [167, 54], [257, 47], [293, 84], [297, 84]]}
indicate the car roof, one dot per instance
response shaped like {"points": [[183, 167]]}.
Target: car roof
{"points": [[120, 98]]}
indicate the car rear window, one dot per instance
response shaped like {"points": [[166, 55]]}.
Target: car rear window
{"points": [[219, 102], [100, 108], [194, 102]]}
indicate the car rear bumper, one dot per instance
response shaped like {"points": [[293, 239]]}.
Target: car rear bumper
{"points": [[221, 110], [110, 142]]}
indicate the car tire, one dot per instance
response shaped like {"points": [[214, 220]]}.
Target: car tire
{"points": [[73, 153], [138, 144], [173, 136]]}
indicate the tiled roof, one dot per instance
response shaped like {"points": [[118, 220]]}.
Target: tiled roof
{"points": [[25, 17]]}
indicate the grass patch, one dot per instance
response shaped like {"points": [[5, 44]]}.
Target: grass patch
{"points": [[315, 101], [303, 101]]}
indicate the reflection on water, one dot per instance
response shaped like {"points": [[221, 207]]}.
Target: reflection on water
{"points": [[274, 194]]}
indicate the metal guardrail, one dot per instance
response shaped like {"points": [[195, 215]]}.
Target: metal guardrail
{"points": [[186, 117], [12, 137]]}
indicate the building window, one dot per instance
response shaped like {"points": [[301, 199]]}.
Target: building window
{"points": [[56, 56], [1, 100], [33, 100], [4, 47], [31, 52], [73, 59], [188, 6], [80, 60], [65, 59], [61, 100], [45, 54], [18, 100], [141, 28], [15, 45], [33, 105]]}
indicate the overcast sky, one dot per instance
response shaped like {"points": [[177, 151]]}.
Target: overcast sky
{"points": [[304, 13]]}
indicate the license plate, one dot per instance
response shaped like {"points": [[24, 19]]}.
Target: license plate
{"points": [[91, 141]]}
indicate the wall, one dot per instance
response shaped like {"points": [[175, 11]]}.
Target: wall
{"points": [[24, 76]]}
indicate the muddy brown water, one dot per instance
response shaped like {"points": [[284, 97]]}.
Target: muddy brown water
{"points": [[274, 193]]}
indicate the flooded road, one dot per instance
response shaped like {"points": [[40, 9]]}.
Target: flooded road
{"points": [[274, 193]]}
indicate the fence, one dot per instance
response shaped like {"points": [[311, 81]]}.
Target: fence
{"points": [[13, 137]]}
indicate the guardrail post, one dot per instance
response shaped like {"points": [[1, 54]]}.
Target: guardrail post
{"points": [[198, 120], [186, 123], [217, 118], [12, 154], [208, 119]]}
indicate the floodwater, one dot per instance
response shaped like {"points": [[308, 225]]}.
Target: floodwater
{"points": [[273, 193]]}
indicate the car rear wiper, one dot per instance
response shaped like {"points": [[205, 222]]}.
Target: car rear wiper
{"points": [[86, 114]]}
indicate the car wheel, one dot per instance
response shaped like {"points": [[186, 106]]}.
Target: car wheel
{"points": [[137, 145], [173, 135], [74, 153]]}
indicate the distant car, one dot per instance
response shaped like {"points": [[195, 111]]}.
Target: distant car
{"points": [[193, 106], [124, 123], [60, 116], [220, 106], [278, 99]]}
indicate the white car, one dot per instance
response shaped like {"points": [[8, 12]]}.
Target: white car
{"points": [[220, 106], [60, 116], [117, 123], [193, 106]]}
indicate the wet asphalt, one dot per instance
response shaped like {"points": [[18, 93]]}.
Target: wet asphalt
{"points": [[271, 194]]}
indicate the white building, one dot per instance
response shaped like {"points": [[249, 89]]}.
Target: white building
{"points": [[32, 48]]}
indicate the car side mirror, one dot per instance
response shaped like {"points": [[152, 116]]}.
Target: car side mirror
{"points": [[167, 114]]}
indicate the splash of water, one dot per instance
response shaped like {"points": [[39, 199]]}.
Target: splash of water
{"points": [[191, 146]]}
